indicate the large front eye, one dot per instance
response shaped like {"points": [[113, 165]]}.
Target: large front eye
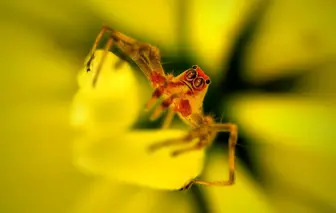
{"points": [[191, 75], [198, 83]]}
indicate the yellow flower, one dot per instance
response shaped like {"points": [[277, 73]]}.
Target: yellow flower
{"points": [[283, 102], [288, 43], [110, 147], [105, 195]]}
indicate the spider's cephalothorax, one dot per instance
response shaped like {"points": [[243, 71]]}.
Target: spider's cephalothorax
{"points": [[182, 94]]}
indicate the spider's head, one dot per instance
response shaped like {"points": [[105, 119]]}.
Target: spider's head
{"points": [[196, 84], [196, 79]]}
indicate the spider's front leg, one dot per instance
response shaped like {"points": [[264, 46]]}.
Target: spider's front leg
{"points": [[145, 56]]}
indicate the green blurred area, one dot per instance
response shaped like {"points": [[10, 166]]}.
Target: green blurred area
{"points": [[272, 65]]}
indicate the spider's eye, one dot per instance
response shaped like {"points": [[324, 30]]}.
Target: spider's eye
{"points": [[191, 75], [198, 83], [194, 67], [208, 81]]}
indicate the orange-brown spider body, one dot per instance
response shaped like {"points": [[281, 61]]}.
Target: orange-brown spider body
{"points": [[183, 94]]}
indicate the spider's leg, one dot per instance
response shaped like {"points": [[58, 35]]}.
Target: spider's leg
{"points": [[159, 91], [103, 30], [100, 65], [232, 129], [200, 145], [168, 119], [163, 106], [176, 141], [145, 56]]}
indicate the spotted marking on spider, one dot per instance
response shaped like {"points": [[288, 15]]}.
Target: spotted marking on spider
{"points": [[182, 95]]}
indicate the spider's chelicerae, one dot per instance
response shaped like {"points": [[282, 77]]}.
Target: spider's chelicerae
{"points": [[182, 94]]}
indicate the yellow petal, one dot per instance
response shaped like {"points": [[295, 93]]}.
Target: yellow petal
{"points": [[214, 27], [106, 196], [154, 19], [293, 36], [109, 147], [295, 149], [36, 85], [244, 196], [125, 157], [113, 104], [289, 118]]}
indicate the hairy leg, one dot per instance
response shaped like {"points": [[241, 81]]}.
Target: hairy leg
{"points": [[106, 49], [145, 56], [103, 30], [177, 141], [200, 145], [232, 129]]}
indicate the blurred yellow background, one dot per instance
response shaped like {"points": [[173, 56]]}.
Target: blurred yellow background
{"points": [[272, 65]]}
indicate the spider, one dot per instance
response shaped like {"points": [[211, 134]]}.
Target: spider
{"points": [[182, 95]]}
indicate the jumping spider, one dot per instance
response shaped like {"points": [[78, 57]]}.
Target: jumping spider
{"points": [[182, 94]]}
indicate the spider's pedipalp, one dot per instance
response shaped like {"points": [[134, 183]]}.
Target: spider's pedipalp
{"points": [[155, 95], [163, 106]]}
